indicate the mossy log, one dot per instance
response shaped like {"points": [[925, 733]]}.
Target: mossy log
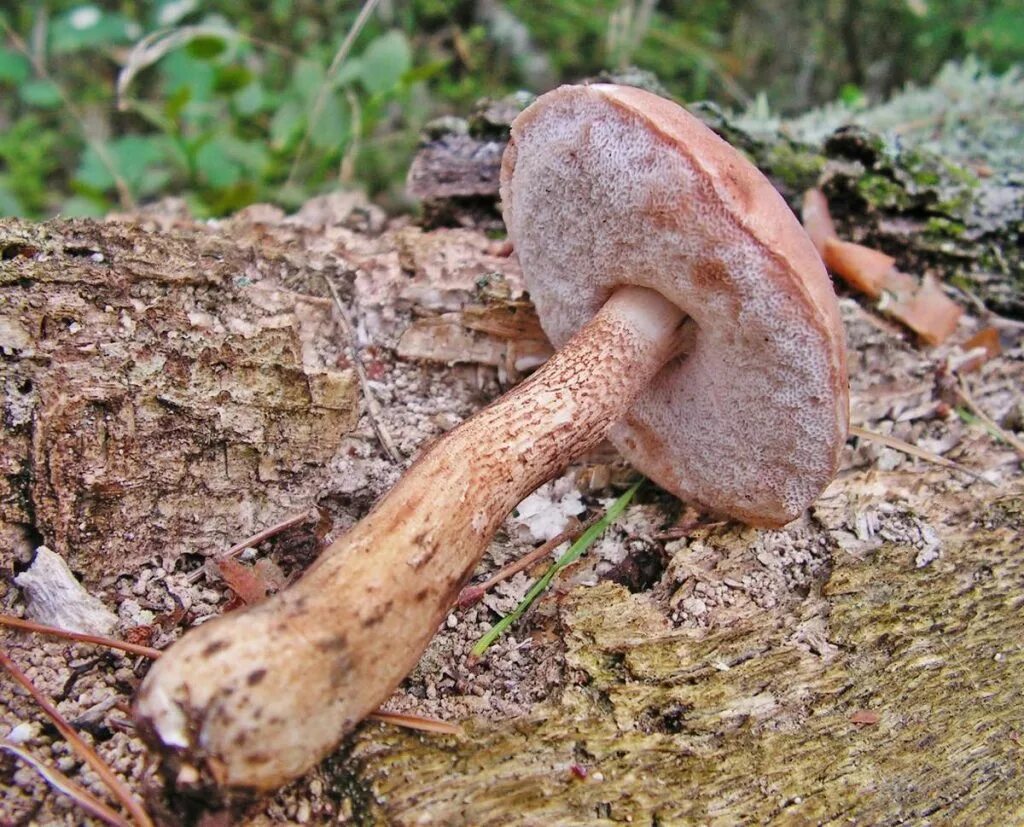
{"points": [[171, 387], [911, 712]]}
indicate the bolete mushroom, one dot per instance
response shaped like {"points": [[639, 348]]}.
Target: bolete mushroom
{"points": [[698, 329]]}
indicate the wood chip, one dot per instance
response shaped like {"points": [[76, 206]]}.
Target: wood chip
{"points": [[56, 598], [982, 347], [929, 312], [864, 269], [817, 219]]}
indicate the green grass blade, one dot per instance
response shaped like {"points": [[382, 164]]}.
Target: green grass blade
{"points": [[574, 552]]}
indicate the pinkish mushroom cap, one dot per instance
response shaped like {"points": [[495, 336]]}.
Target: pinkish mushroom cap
{"points": [[605, 186]]}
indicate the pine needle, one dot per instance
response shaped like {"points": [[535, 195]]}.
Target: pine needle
{"points": [[573, 554], [914, 451], [417, 722], [990, 424], [81, 637], [266, 534], [60, 782], [85, 752], [472, 594]]}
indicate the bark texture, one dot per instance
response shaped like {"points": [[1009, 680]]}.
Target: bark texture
{"points": [[170, 387], [157, 380]]}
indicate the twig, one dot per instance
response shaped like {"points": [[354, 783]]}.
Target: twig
{"points": [[99, 640], [60, 782], [321, 94], [471, 594], [254, 540], [964, 396], [914, 451], [124, 194], [372, 406], [346, 169], [265, 534], [417, 722], [87, 753]]}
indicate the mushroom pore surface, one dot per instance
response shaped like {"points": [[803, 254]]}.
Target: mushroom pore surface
{"points": [[604, 186]]}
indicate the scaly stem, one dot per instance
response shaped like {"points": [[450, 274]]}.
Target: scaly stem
{"points": [[257, 697]]}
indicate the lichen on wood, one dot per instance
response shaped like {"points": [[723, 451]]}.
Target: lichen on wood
{"points": [[749, 724]]}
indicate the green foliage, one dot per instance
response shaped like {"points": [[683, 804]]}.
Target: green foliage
{"points": [[106, 105]]}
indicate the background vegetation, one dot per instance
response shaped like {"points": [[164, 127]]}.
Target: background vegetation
{"points": [[108, 104]]}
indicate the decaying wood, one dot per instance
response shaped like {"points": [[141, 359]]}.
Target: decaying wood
{"points": [[171, 387], [158, 380]]}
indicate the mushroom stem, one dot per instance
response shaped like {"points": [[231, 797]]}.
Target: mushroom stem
{"points": [[257, 697]]}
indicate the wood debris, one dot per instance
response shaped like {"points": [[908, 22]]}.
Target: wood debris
{"points": [[920, 306], [507, 336], [982, 347], [56, 598], [927, 311]]}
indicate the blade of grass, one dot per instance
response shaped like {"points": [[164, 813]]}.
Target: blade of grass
{"points": [[325, 87], [471, 594], [573, 554]]}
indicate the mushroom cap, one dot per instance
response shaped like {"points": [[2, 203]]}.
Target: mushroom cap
{"points": [[604, 186]]}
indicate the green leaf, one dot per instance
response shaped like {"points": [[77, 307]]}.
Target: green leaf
{"points": [[80, 206], [232, 78], [41, 93], [215, 165], [287, 123], [331, 126], [349, 71], [87, 27], [307, 78], [140, 160], [10, 204], [384, 62], [14, 68], [206, 47], [182, 71], [250, 99], [169, 12]]}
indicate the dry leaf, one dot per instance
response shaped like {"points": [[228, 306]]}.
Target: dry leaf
{"points": [[246, 583], [864, 269], [817, 219], [982, 347], [929, 312]]}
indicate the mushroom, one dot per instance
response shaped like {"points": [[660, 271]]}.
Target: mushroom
{"points": [[697, 329]]}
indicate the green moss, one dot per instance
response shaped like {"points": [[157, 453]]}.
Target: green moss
{"points": [[881, 192], [944, 228], [795, 167]]}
